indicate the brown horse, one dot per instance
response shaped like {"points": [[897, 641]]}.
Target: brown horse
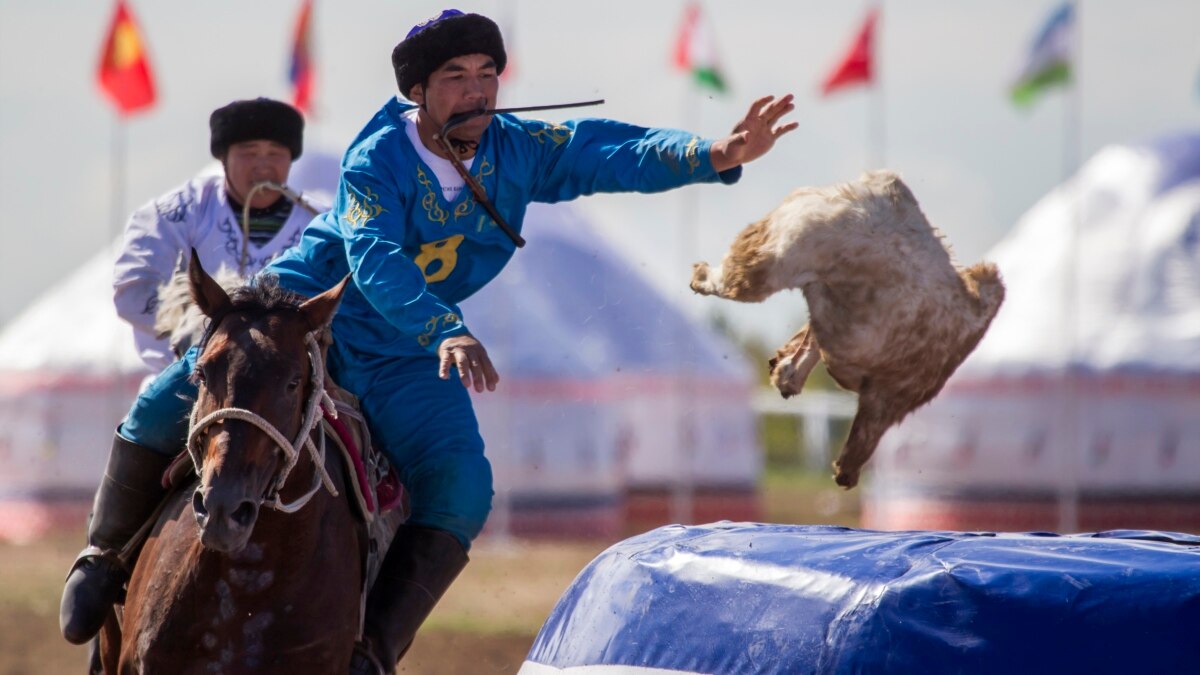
{"points": [[252, 589]]}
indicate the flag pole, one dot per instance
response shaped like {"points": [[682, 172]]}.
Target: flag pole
{"points": [[117, 174], [875, 116], [682, 494], [1068, 498]]}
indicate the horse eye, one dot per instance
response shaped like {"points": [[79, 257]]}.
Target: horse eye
{"points": [[294, 384]]}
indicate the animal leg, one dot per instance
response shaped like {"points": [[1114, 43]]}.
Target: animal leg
{"points": [[871, 421], [745, 272], [105, 649], [794, 361], [707, 280]]}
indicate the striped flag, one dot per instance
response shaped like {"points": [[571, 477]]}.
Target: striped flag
{"points": [[696, 50], [301, 72], [124, 72], [1049, 62], [856, 66]]}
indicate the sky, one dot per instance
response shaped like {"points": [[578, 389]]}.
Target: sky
{"points": [[975, 161]]}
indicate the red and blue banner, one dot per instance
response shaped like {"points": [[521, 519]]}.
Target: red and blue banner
{"points": [[301, 71]]}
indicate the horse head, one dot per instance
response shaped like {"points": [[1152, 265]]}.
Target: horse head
{"points": [[259, 375]]}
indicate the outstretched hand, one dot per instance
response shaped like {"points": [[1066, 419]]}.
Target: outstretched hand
{"points": [[755, 134], [468, 355]]}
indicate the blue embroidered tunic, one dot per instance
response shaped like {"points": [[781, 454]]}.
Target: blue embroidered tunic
{"points": [[414, 256]]}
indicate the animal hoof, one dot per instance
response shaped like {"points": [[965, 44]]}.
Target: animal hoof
{"points": [[700, 278], [846, 479]]}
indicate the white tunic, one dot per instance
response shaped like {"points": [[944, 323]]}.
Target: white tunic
{"points": [[158, 242]]}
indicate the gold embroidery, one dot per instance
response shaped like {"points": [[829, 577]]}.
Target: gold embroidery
{"points": [[358, 213], [429, 202], [431, 327], [556, 133], [692, 154], [467, 205], [444, 251]]}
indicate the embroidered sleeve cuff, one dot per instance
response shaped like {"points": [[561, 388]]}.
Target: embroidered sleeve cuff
{"points": [[731, 176], [728, 176], [439, 328]]}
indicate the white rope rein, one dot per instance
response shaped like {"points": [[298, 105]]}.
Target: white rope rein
{"points": [[265, 185], [319, 399]]}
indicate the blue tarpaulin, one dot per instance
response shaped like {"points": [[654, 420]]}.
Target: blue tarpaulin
{"points": [[756, 598]]}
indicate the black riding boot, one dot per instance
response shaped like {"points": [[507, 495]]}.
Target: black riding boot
{"points": [[128, 494], [420, 565]]}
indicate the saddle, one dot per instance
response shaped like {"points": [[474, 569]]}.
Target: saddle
{"points": [[377, 489]]}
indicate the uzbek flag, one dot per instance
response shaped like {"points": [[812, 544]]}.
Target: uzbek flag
{"points": [[696, 49], [857, 64], [301, 72], [1049, 62], [124, 73]]}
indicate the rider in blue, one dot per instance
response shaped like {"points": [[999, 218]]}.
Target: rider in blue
{"points": [[417, 242]]}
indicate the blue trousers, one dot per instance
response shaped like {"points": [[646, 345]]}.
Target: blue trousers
{"points": [[425, 425]]}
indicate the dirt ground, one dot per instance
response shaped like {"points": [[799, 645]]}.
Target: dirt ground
{"points": [[32, 646], [484, 625]]}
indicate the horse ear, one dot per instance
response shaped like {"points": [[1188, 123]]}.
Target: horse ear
{"points": [[208, 295], [319, 310]]}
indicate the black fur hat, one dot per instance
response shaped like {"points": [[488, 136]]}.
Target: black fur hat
{"points": [[436, 41], [253, 120]]}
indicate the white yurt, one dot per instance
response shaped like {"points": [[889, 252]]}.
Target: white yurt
{"points": [[609, 396], [1080, 409], [68, 372], [614, 409]]}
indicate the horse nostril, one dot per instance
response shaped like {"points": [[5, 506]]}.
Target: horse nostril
{"points": [[198, 504], [244, 515]]}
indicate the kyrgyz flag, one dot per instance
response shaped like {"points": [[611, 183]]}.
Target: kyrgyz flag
{"points": [[856, 67], [1049, 62], [696, 50], [124, 72], [301, 72]]}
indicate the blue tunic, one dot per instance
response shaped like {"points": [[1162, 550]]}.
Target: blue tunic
{"points": [[413, 257]]}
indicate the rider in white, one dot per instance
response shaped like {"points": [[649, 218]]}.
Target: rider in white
{"points": [[256, 141]]}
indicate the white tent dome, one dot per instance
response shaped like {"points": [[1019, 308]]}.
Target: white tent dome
{"points": [[1078, 408], [606, 385]]}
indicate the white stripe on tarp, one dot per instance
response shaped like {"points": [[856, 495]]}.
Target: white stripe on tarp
{"points": [[531, 668]]}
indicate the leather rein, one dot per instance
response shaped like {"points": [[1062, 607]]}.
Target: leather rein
{"points": [[443, 136]]}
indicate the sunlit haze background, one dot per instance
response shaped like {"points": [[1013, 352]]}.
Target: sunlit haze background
{"points": [[975, 161]]}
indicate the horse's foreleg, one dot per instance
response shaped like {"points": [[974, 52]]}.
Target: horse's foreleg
{"points": [[106, 652]]}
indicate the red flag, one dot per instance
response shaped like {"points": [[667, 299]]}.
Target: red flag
{"points": [[696, 50], [124, 72], [856, 66], [301, 72]]}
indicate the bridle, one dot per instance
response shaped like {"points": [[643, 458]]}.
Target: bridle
{"points": [[318, 402]]}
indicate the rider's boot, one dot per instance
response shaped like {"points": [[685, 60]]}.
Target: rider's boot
{"points": [[129, 493], [420, 565]]}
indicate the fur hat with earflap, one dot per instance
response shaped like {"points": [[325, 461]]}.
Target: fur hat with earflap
{"points": [[431, 43]]}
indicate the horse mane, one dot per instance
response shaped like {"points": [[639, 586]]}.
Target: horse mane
{"points": [[179, 320]]}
